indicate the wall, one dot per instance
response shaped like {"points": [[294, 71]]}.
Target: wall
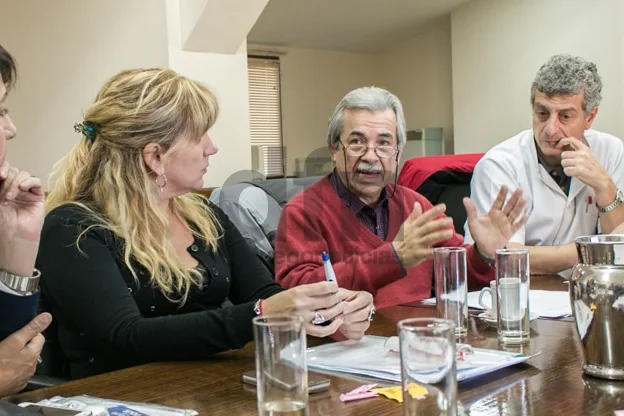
{"points": [[419, 72], [65, 50], [498, 46], [77, 45], [313, 82], [226, 76]]}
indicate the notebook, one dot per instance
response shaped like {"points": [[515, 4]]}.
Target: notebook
{"points": [[370, 358]]}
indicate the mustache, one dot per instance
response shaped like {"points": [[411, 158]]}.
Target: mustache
{"points": [[368, 168]]}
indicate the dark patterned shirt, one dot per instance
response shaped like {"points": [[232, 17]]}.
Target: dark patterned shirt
{"points": [[556, 172], [374, 219]]}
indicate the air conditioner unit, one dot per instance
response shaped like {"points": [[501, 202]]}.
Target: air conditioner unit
{"points": [[312, 166], [422, 142], [267, 160]]}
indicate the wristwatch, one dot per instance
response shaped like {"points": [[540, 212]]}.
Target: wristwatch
{"points": [[489, 262], [619, 200], [22, 284]]}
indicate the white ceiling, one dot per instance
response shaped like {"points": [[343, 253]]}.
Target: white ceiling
{"points": [[345, 25]]}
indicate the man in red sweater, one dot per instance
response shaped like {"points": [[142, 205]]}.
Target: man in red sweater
{"points": [[378, 235]]}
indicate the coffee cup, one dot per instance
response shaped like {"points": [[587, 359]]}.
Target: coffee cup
{"points": [[491, 306], [509, 298]]}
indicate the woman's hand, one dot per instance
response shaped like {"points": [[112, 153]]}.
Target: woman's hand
{"points": [[316, 301], [356, 314]]}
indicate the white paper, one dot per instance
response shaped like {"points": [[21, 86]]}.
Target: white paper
{"points": [[545, 303], [98, 406], [370, 358], [618, 254]]}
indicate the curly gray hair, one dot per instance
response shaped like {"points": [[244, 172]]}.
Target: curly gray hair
{"points": [[370, 99], [566, 74]]}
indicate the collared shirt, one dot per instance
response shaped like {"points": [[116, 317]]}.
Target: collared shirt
{"points": [[555, 172], [555, 218], [374, 219]]}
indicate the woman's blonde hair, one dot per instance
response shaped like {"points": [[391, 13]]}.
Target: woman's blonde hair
{"points": [[106, 173]]}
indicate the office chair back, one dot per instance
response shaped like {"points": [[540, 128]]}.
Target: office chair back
{"points": [[442, 179], [255, 207]]}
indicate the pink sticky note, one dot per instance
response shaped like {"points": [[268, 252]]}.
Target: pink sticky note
{"points": [[618, 413], [358, 396], [362, 389]]}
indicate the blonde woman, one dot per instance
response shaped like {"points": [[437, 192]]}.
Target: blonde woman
{"points": [[136, 268]]}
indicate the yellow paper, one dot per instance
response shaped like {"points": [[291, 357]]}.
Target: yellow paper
{"points": [[395, 393]]}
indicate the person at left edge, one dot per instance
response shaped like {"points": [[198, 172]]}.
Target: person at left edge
{"points": [[137, 267], [21, 219]]}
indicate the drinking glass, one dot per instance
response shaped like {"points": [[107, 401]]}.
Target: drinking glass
{"points": [[512, 291], [282, 387], [449, 267], [427, 350]]}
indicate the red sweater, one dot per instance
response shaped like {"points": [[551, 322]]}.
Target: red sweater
{"points": [[317, 220]]}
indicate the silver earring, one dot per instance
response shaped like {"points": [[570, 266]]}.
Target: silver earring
{"points": [[161, 181]]}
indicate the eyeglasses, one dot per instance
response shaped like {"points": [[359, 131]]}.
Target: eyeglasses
{"points": [[359, 150]]}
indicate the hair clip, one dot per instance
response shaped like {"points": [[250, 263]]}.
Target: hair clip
{"points": [[87, 129]]}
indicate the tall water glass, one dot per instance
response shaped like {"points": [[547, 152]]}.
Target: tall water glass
{"points": [[512, 290], [449, 268], [281, 370], [429, 383]]}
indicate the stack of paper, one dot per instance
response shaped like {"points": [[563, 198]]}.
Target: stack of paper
{"points": [[545, 303], [369, 357], [104, 407]]}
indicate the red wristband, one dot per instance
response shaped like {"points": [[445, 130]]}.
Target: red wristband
{"points": [[258, 307]]}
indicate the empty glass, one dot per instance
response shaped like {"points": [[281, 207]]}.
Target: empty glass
{"points": [[449, 267], [281, 371], [429, 383]]}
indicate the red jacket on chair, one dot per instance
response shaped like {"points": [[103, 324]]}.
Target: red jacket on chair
{"points": [[417, 170], [442, 179]]}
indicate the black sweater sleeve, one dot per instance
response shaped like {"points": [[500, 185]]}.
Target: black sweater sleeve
{"points": [[85, 287], [252, 280], [16, 311]]}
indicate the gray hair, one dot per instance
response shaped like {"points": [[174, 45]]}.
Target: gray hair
{"points": [[565, 75], [370, 99]]}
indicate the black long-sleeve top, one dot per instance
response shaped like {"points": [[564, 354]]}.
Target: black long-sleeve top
{"points": [[105, 321], [16, 311]]}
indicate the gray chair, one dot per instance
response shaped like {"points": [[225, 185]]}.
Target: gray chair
{"points": [[255, 207]]}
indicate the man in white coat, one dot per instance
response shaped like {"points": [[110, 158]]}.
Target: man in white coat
{"points": [[570, 175]]}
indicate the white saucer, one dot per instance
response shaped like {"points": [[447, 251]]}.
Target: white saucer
{"points": [[485, 316]]}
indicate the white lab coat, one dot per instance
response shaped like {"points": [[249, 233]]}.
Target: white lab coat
{"points": [[554, 217]]}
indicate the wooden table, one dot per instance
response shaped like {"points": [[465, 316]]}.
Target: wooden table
{"points": [[551, 384]]}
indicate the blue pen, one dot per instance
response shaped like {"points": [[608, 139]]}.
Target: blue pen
{"points": [[329, 270]]}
